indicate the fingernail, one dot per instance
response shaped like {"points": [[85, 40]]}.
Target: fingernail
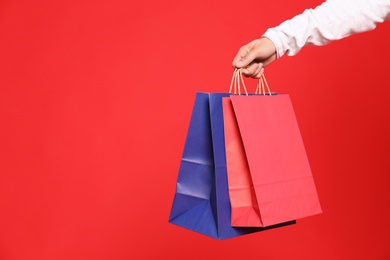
{"points": [[239, 63]]}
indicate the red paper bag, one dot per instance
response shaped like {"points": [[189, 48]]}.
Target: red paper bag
{"points": [[244, 208], [270, 175]]}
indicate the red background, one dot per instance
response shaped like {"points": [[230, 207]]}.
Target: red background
{"points": [[95, 101]]}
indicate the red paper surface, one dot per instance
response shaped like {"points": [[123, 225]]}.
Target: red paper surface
{"points": [[244, 208], [276, 155]]}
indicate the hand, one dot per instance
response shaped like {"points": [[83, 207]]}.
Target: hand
{"points": [[254, 56]]}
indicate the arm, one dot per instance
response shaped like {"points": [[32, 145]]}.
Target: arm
{"points": [[332, 20]]}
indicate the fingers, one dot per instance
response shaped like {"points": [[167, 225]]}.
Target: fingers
{"points": [[260, 51], [246, 54], [256, 69], [242, 52], [247, 59], [258, 73], [253, 70]]}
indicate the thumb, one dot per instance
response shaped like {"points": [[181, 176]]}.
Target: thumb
{"points": [[246, 60], [239, 64]]}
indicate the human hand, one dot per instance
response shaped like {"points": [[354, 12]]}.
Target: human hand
{"points": [[254, 56]]}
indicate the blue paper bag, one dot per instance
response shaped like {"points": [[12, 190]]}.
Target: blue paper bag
{"points": [[201, 201]]}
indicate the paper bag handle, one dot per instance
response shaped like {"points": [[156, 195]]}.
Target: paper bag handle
{"points": [[237, 80], [260, 86]]}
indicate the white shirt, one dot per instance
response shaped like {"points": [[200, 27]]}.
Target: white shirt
{"points": [[332, 20]]}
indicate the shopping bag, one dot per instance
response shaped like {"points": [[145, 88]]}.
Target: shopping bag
{"points": [[244, 207], [269, 176], [201, 202]]}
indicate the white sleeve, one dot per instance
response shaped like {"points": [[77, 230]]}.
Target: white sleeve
{"points": [[332, 20]]}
